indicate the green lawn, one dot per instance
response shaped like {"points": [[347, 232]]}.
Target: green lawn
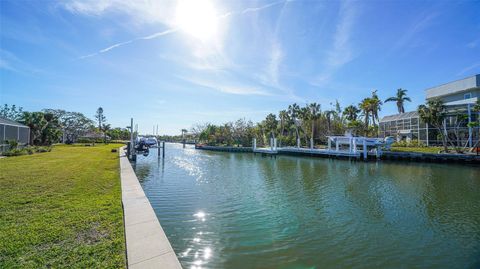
{"points": [[62, 209], [417, 149]]}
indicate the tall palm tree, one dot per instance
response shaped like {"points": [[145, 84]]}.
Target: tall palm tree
{"points": [[400, 99], [328, 116], [365, 108], [375, 106], [351, 113], [283, 116], [314, 115], [294, 111], [304, 116]]}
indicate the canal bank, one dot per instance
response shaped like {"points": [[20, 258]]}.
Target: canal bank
{"points": [[385, 155], [147, 246]]}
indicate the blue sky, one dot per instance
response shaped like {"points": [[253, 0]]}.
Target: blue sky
{"points": [[176, 63]]}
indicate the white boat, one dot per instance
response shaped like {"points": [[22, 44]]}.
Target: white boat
{"points": [[151, 141]]}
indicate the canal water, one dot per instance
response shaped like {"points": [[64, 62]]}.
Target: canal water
{"points": [[237, 210]]}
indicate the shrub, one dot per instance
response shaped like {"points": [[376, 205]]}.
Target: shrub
{"points": [[12, 144], [412, 143], [83, 140], [15, 152], [118, 141], [43, 149], [27, 150]]}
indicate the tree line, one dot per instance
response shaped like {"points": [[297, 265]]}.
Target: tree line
{"points": [[50, 126], [309, 123]]}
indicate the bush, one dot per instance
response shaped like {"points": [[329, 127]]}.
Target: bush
{"points": [[412, 143], [43, 149], [27, 150], [118, 141], [15, 152], [12, 144], [83, 140]]}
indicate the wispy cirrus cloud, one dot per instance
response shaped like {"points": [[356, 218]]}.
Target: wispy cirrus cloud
{"points": [[10, 62], [473, 44], [227, 88], [424, 21], [142, 12], [273, 67], [152, 36], [157, 11], [469, 68], [341, 52], [255, 9]]}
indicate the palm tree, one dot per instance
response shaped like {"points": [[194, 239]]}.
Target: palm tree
{"points": [[305, 116], [36, 122], [105, 129], [399, 99], [375, 106], [271, 124], [434, 114], [184, 131], [328, 116], [283, 116], [294, 111], [314, 115], [365, 108], [351, 113]]}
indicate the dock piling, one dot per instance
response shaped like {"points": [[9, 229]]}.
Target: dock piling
{"points": [[163, 147], [365, 156]]}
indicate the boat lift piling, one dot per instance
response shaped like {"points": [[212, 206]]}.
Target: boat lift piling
{"points": [[161, 148], [131, 154]]}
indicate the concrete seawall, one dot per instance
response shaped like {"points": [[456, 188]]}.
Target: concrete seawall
{"points": [[225, 149], [431, 157], [386, 155], [146, 243]]}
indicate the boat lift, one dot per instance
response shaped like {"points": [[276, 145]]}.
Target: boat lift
{"points": [[340, 142], [364, 142]]}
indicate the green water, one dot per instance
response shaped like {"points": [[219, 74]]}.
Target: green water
{"points": [[237, 210]]}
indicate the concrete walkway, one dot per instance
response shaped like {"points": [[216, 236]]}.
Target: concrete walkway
{"points": [[147, 244]]}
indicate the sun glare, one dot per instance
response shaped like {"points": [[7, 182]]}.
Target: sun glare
{"points": [[197, 18]]}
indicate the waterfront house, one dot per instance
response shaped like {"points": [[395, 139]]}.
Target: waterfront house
{"points": [[458, 96], [12, 130]]}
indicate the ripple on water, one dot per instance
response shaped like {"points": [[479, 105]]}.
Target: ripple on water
{"points": [[223, 210]]}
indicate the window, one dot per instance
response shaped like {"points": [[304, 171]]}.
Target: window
{"points": [[467, 96]]}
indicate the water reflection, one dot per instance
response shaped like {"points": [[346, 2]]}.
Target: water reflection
{"points": [[223, 210], [200, 215]]}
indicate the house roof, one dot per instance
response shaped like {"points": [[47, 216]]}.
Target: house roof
{"points": [[454, 87], [4, 121], [406, 115]]}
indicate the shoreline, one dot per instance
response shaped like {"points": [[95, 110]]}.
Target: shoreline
{"points": [[386, 155]]}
